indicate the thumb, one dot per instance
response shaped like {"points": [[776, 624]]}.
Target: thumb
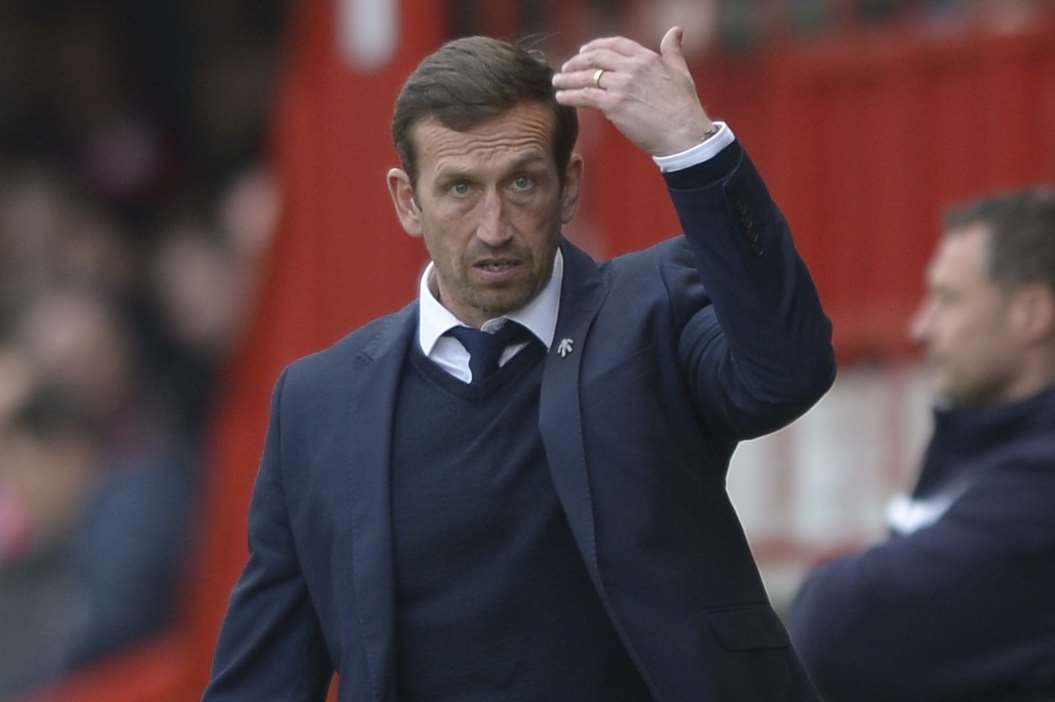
{"points": [[670, 48]]}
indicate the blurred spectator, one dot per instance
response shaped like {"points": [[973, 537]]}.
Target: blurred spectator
{"points": [[51, 446], [50, 234], [199, 287], [114, 510], [114, 314], [743, 25], [50, 449], [16, 382], [1009, 15], [957, 603], [81, 344], [248, 214], [200, 283], [128, 549]]}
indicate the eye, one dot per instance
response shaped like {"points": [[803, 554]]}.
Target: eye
{"points": [[460, 189], [523, 183]]}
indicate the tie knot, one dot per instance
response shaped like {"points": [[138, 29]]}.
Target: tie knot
{"points": [[486, 349]]}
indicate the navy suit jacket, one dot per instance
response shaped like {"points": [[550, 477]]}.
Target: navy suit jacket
{"points": [[959, 610], [638, 423]]}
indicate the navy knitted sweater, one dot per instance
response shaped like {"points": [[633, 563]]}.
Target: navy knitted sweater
{"points": [[493, 600]]}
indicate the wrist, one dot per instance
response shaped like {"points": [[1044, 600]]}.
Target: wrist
{"points": [[707, 149], [695, 136]]}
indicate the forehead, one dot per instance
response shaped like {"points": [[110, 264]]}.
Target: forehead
{"points": [[962, 257], [525, 131]]}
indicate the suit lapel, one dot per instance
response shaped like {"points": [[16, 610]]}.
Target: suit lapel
{"points": [[373, 398], [560, 420]]}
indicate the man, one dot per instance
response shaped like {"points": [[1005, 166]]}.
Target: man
{"points": [[513, 489], [957, 603]]}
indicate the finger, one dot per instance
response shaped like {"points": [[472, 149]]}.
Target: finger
{"points": [[620, 45], [596, 58], [581, 79], [585, 97], [670, 49]]}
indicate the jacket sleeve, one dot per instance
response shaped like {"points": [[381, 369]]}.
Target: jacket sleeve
{"points": [[271, 646], [754, 344], [957, 610]]}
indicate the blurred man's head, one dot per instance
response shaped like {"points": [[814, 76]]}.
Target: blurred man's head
{"points": [[51, 446], [200, 287], [987, 322], [82, 344], [17, 378]]}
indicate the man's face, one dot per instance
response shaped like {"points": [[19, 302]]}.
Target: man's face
{"points": [[489, 205], [963, 323]]}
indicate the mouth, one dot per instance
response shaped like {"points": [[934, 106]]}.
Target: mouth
{"points": [[497, 266]]}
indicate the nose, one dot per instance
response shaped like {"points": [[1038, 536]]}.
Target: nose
{"points": [[919, 323], [493, 228]]}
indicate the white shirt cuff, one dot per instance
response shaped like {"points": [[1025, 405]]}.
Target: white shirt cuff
{"points": [[697, 154]]}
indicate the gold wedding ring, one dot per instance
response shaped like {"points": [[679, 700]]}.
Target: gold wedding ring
{"points": [[597, 78]]}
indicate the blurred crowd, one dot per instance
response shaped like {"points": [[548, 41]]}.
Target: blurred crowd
{"points": [[736, 26], [134, 208], [746, 24]]}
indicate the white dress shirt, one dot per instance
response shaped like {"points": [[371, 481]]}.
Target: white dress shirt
{"points": [[540, 315]]}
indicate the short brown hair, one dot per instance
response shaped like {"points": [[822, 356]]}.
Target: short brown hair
{"points": [[1021, 226], [471, 80]]}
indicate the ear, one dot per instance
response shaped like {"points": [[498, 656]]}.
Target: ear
{"points": [[1033, 312], [402, 193], [569, 196]]}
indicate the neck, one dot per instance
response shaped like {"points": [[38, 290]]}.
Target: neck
{"points": [[473, 320]]}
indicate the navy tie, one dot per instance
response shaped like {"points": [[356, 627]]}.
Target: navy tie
{"points": [[485, 349]]}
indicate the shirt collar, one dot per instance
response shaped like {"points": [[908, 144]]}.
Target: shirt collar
{"points": [[539, 315]]}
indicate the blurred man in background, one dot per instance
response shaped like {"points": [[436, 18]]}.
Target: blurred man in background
{"points": [[50, 447], [100, 484], [957, 604]]}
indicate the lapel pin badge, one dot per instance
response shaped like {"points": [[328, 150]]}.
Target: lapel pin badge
{"points": [[564, 347]]}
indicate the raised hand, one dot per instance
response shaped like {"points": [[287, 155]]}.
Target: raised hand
{"points": [[651, 98]]}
